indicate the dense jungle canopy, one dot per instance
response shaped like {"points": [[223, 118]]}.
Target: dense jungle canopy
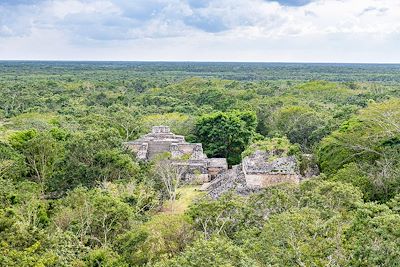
{"points": [[71, 195]]}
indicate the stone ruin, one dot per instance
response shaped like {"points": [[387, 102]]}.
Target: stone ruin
{"points": [[188, 155], [258, 170]]}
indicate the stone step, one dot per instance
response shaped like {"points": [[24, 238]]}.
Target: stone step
{"points": [[205, 186], [156, 148]]}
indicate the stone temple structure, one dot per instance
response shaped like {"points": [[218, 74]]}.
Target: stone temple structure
{"points": [[162, 141], [260, 171], [257, 171]]}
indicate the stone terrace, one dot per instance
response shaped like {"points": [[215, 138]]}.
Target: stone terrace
{"points": [[162, 140]]}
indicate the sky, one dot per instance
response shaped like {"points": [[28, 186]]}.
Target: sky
{"points": [[343, 31]]}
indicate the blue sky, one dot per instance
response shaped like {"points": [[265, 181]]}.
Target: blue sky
{"points": [[201, 30]]}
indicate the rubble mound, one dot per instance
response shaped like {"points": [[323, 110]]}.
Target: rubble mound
{"points": [[259, 170], [231, 180]]}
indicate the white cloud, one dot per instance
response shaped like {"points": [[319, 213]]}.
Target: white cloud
{"points": [[253, 30]]}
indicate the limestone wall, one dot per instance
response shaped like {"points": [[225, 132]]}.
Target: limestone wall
{"points": [[186, 148], [265, 180], [158, 147]]}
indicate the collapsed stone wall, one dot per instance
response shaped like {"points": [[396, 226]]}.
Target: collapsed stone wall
{"points": [[230, 180], [258, 171]]}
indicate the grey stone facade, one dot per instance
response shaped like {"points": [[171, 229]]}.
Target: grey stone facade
{"points": [[261, 169], [190, 156]]}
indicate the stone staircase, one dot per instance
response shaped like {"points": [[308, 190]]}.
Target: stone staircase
{"points": [[156, 148], [230, 180]]}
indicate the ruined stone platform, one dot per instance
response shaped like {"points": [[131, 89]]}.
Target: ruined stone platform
{"points": [[189, 155]]}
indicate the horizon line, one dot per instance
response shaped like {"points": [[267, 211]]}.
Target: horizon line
{"points": [[197, 61]]}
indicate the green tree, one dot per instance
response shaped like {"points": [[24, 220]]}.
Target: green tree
{"points": [[371, 140], [374, 237], [162, 237], [91, 157], [224, 216], [353, 174], [103, 257], [215, 97], [41, 152], [12, 163], [211, 253], [126, 120], [226, 134], [93, 216], [114, 165], [298, 237], [301, 125]]}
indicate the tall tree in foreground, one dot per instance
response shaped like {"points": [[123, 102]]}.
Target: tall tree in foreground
{"points": [[170, 176]]}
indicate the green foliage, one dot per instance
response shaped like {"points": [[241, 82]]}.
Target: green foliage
{"points": [[41, 152], [92, 157], [114, 165], [211, 253], [141, 197], [369, 140], [94, 217], [12, 164], [330, 197], [325, 91], [226, 134], [215, 97], [374, 236], [301, 125], [352, 174], [163, 237], [276, 146], [298, 238], [19, 139], [103, 258], [31, 256], [273, 200], [130, 245], [223, 217]]}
